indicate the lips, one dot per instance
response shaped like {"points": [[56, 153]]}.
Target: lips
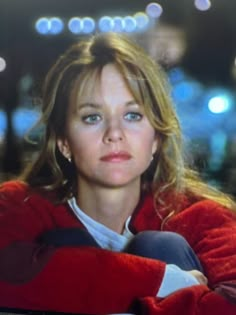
{"points": [[116, 157]]}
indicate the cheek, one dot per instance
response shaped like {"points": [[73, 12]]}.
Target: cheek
{"points": [[149, 141], [82, 144]]}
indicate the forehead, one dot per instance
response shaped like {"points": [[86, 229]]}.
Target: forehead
{"points": [[98, 82]]}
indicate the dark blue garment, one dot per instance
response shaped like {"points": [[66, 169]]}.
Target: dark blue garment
{"points": [[169, 247]]}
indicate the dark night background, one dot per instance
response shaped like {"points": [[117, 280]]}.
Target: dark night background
{"points": [[208, 59]]}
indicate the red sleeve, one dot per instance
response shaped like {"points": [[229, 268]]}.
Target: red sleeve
{"points": [[196, 300], [211, 231], [68, 279]]}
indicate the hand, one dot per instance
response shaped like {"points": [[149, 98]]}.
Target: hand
{"points": [[199, 276]]}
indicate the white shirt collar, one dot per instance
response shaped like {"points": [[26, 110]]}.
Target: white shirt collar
{"points": [[104, 236]]}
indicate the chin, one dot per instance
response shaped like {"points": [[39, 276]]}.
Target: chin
{"points": [[119, 182]]}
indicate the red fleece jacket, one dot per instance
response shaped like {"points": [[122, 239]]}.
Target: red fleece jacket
{"points": [[96, 281]]}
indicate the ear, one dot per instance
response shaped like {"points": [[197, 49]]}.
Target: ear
{"points": [[64, 147]]}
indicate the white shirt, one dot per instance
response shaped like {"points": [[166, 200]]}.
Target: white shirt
{"points": [[174, 278]]}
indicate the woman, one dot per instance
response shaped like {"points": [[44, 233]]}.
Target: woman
{"points": [[108, 218]]}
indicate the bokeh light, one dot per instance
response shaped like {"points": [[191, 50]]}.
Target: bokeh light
{"points": [[219, 100], [3, 64], [23, 120], [154, 10], [142, 20], [119, 24], [56, 25], [3, 124], [202, 5], [219, 104], [130, 24], [186, 92], [53, 26], [75, 25], [88, 25], [106, 24], [42, 26]]}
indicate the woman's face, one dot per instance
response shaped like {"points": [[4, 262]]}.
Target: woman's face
{"points": [[108, 135]]}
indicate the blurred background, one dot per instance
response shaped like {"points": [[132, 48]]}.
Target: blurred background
{"points": [[194, 40]]}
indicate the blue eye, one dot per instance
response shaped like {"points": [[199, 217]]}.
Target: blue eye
{"points": [[133, 116], [91, 119]]}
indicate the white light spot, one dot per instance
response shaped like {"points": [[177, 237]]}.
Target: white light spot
{"points": [[154, 10], [219, 104], [3, 64], [202, 5]]}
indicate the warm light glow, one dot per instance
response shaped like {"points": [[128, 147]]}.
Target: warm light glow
{"points": [[142, 20], [166, 44]]}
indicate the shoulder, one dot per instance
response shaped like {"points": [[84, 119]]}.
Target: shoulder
{"points": [[202, 218], [19, 192], [207, 209], [19, 200], [13, 189]]}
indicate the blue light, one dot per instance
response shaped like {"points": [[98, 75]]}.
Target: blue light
{"points": [[175, 75], [75, 25], [56, 26], [88, 25], [3, 123], [219, 104], [118, 24], [23, 119], [186, 91], [42, 26], [154, 10], [130, 24], [202, 5], [218, 100], [218, 141], [106, 24]]}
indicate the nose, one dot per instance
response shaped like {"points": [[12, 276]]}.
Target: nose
{"points": [[113, 133]]}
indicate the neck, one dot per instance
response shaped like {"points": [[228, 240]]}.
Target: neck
{"points": [[109, 206]]}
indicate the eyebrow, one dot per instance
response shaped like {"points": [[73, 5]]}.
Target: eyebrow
{"points": [[97, 106], [88, 104]]}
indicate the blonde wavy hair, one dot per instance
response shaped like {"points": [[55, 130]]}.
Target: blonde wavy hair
{"points": [[168, 173]]}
